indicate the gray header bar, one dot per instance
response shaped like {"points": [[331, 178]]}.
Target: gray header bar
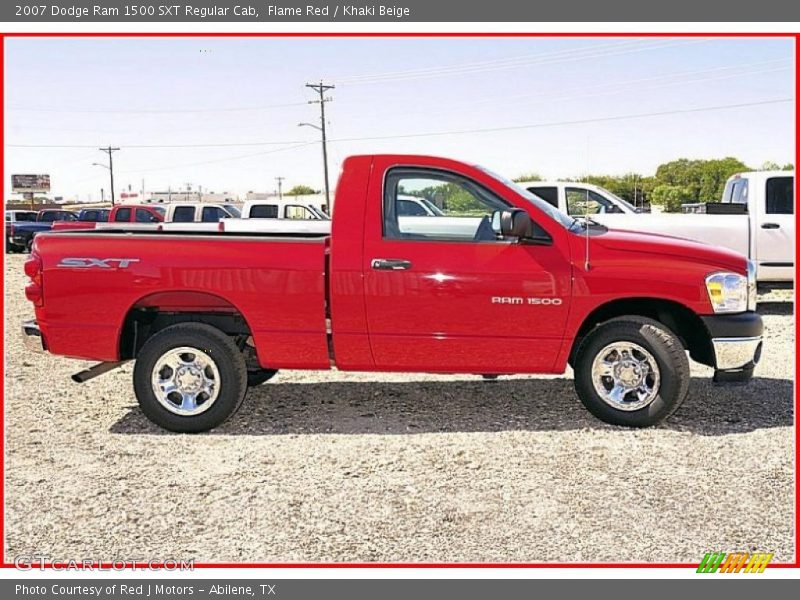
{"points": [[607, 11]]}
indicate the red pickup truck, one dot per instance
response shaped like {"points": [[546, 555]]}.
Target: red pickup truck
{"points": [[141, 214], [495, 281]]}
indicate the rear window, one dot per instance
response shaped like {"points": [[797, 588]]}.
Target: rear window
{"points": [[780, 196], [123, 215], [183, 214], [264, 211], [145, 216], [212, 214], [548, 194]]}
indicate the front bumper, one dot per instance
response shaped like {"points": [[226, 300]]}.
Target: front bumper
{"points": [[737, 340], [32, 336]]}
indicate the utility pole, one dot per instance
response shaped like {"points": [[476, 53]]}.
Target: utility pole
{"points": [[321, 88], [110, 151], [280, 187]]}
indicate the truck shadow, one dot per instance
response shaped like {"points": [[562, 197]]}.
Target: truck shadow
{"points": [[397, 408]]}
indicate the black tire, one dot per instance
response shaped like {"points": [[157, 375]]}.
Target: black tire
{"points": [[259, 376], [665, 348], [225, 355], [29, 246]]}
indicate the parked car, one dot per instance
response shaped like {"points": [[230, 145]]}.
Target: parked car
{"points": [[20, 235], [758, 220], [87, 219], [199, 212], [516, 287], [290, 208], [14, 217], [133, 216]]}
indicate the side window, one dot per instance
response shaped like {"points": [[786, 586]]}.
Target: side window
{"points": [[264, 211], [123, 215], [780, 196], [183, 214], [90, 215], [8, 217], [144, 216], [463, 208], [293, 211], [102, 216], [211, 214], [739, 192], [581, 201], [547, 193]]}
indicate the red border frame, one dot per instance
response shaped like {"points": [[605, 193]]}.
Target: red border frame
{"points": [[558, 565]]}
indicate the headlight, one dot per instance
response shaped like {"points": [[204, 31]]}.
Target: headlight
{"points": [[728, 292]]}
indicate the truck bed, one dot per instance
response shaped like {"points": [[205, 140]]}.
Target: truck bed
{"points": [[275, 283]]}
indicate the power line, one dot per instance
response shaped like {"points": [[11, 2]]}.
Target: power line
{"points": [[610, 118], [536, 60]]}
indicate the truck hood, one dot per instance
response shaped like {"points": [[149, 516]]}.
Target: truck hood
{"points": [[651, 243]]}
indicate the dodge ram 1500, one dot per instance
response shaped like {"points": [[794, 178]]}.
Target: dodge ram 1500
{"points": [[494, 281]]}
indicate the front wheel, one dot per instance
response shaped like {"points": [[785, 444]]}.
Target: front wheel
{"points": [[631, 371], [190, 377]]}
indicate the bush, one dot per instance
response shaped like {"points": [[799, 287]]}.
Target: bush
{"points": [[670, 197]]}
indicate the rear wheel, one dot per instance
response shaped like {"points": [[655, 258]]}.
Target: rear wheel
{"points": [[631, 371], [190, 377]]}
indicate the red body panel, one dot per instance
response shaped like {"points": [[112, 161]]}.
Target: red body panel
{"points": [[278, 286], [72, 225], [442, 315]]}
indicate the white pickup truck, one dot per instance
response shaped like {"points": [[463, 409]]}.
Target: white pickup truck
{"points": [[286, 208], [755, 217]]}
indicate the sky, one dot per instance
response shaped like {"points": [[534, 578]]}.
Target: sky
{"points": [[230, 107]]}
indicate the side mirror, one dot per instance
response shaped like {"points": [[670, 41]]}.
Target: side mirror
{"points": [[514, 222], [517, 223]]}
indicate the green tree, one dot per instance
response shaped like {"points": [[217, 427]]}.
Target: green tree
{"points": [[531, 176], [701, 180], [670, 197], [301, 190]]}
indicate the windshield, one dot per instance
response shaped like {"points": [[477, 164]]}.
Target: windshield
{"points": [[617, 198], [235, 212], [565, 220]]}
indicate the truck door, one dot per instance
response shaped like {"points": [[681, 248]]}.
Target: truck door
{"points": [[775, 228], [444, 294]]}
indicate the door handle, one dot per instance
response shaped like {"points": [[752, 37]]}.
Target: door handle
{"points": [[390, 264], [770, 226]]}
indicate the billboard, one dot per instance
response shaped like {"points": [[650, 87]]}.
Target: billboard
{"points": [[22, 184]]}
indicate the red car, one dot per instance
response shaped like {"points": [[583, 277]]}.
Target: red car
{"points": [[495, 281]]}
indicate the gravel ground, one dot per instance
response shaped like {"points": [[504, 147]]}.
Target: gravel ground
{"points": [[356, 467]]}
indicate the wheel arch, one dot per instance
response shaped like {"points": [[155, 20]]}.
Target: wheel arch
{"points": [[155, 311], [680, 319]]}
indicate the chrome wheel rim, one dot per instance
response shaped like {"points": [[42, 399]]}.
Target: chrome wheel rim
{"points": [[625, 376], [185, 381]]}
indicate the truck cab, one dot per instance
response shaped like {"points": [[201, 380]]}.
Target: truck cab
{"points": [[199, 212], [286, 208]]}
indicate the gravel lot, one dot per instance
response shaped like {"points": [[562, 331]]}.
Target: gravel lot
{"points": [[356, 467]]}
